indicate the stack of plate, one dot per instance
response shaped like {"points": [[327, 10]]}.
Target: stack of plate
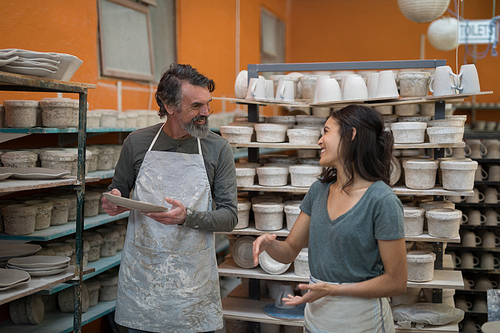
{"points": [[11, 278], [40, 265], [50, 65], [9, 251]]}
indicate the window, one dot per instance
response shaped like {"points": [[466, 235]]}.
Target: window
{"points": [[272, 38]]}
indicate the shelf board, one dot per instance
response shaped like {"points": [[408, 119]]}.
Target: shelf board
{"points": [[69, 228], [253, 310], [16, 185], [480, 227], [286, 188], [38, 283], [479, 270], [285, 145], [476, 205], [59, 322], [473, 248], [446, 279], [481, 135], [486, 183], [252, 231], [49, 130], [473, 292], [9, 80], [487, 160], [403, 190], [102, 174]]}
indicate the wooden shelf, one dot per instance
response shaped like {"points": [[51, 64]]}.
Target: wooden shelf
{"points": [[285, 145], [286, 188], [49, 130], [59, 322], [102, 174], [446, 279], [473, 248], [39, 283], [69, 228], [16, 185]]}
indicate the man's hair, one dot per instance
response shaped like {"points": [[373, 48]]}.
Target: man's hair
{"points": [[169, 89]]}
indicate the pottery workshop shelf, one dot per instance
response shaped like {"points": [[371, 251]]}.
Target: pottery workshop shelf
{"points": [[102, 174], [99, 266], [480, 227], [442, 278], [315, 146], [48, 130], [59, 322], [15, 185], [69, 228], [473, 248]]}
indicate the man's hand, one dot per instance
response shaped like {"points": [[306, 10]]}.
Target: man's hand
{"points": [[176, 215], [110, 208]]}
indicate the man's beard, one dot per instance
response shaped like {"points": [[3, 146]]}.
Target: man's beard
{"points": [[197, 130]]}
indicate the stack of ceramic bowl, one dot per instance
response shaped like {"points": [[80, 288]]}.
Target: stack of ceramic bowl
{"points": [[11, 278], [9, 251], [40, 265], [241, 251]]}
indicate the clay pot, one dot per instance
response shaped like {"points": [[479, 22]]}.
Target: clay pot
{"points": [[243, 214], [19, 159], [20, 114], [420, 266], [44, 212], [268, 216], [237, 134], [19, 219]]}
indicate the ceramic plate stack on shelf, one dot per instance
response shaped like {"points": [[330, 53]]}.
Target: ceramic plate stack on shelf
{"points": [[39, 265], [9, 251], [49, 65], [12, 278]]}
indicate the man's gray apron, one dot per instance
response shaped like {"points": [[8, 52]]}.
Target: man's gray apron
{"points": [[168, 273]]}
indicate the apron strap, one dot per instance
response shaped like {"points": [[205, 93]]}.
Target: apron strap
{"points": [[156, 137], [199, 147]]}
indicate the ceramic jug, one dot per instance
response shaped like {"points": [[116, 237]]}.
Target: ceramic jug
{"points": [[444, 81]]}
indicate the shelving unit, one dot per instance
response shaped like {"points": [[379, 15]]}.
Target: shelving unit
{"points": [[250, 308]]}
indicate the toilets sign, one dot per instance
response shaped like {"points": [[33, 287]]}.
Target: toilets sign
{"points": [[478, 32]]}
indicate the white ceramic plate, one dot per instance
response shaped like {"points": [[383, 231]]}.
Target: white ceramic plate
{"points": [[5, 175], [47, 272], [7, 61], [42, 60], [38, 261], [34, 173], [8, 251], [9, 277], [271, 266], [31, 63], [134, 204], [242, 252], [241, 84], [7, 53], [38, 269], [29, 54], [22, 283], [32, 71]]}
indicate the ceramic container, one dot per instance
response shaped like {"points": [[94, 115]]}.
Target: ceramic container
{"points": [[94, 158], [237, 134], [413, 84], [303, 175], [131, 119], [105, 159], [268, 216], [74, 165], [93, 286], [121, 120], [443, 222], [413, 220], [20, 114], [445, 134], [72, 210], [420, 266], [408, 132], [272, 266], [301, 263], [19, 219], [59, 112], [44, 212], [420, 173], [19, 159], [59, 249], [109, 287], [271, 132], [303, 136], [93, 119], [122, 231], [272, 175], [60, 210], [27, 310], [56, 159], [109, 241], [95, 241], [283, 120], [459, 174], [243, 214], [449, 121], [109, 118], [92, 202], [245, 176], [241, 250], [85, 248], [292, 211], [66, 299]]}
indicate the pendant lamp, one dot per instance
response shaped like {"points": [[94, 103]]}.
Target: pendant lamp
{"points": [[442, 33], [422, 11]]}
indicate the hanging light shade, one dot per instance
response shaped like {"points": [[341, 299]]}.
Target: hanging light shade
{"points": [[442, 33], [422, 11]]}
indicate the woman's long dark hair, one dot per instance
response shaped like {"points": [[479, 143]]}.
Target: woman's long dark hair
{"points": [[370, 153]]}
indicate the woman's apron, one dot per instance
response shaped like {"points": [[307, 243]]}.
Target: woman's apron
{"points": [[345, 314], [168, 273]]}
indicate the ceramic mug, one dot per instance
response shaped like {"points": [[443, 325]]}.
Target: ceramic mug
{"points": [[475, 217], [480, 306], [463, 304], [269, 90], [468, 284], [477, 148], [493, 150], [480, 174], [476, 197], [444, 81], [256, 88], [489, 261], [490, 240], [494, 173], [480, 125], [483, 284], [372, 84], [491, 195], [355, 89], [342, 79], [285, 91], [327, 90], [470, 239], [469, 326], [387, 86], [469, 79], [283, 291], [492, 217], [455, 259], [465, 219], [468, 260], [456, 198], [461, 152]]}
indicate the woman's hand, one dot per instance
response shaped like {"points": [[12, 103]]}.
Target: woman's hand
{"points": [[110, 208], [316, 291], [260, 245]]}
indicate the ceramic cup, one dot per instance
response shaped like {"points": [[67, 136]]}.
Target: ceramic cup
{"points": [[327, 90], [481, 174], [476, 197], [477, 148], [469, 79], [483, 284], [480, 306], [469, 326], [355, 89], [475, 217], [492, 217], [465, 219], [256, 88], [489, 261], [468, 284], [461, 152], [456, 198], [342, 79], [444, 81], [490, 126], [494, 173], [285, 91], [269, 90], [283, 291], [468, 260], [461, 303], [455, 259], [387, 86], [470, 239], [491, 195], [490, 240], [493, 148], [372, 84], [480, 125]]}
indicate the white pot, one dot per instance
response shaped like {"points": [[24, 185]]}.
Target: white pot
{"points": [[59, 112], [245, 176], [408, 132], [420, 266], [458, 175], [292, 212], [20, 113], [268, 216], [301, 263], [237, 134], [443, 222], [303, 136], [413, 220], [445, 134], [243, 214], [271, 132], [420, 174], [413, 84], [304, 175], [272, 176]]}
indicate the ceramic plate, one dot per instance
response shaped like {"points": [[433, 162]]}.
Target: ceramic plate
{"points": [[8, 251], [42, 60], [22, 283], [38, 261], [34, 173], [7, 53], [270, 265], [29, 54], [9, 277], [47, 272], [134, 204], [242, 252], [7, 61], [5, 175], [38, 269], [32, 71], [31, 63], [67, 68]]}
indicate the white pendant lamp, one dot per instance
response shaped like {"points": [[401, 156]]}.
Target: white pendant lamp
{"points": [[422, 11], [442, 33]]}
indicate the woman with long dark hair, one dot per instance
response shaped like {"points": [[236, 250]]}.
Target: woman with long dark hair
{"points": [[354, 224]]}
